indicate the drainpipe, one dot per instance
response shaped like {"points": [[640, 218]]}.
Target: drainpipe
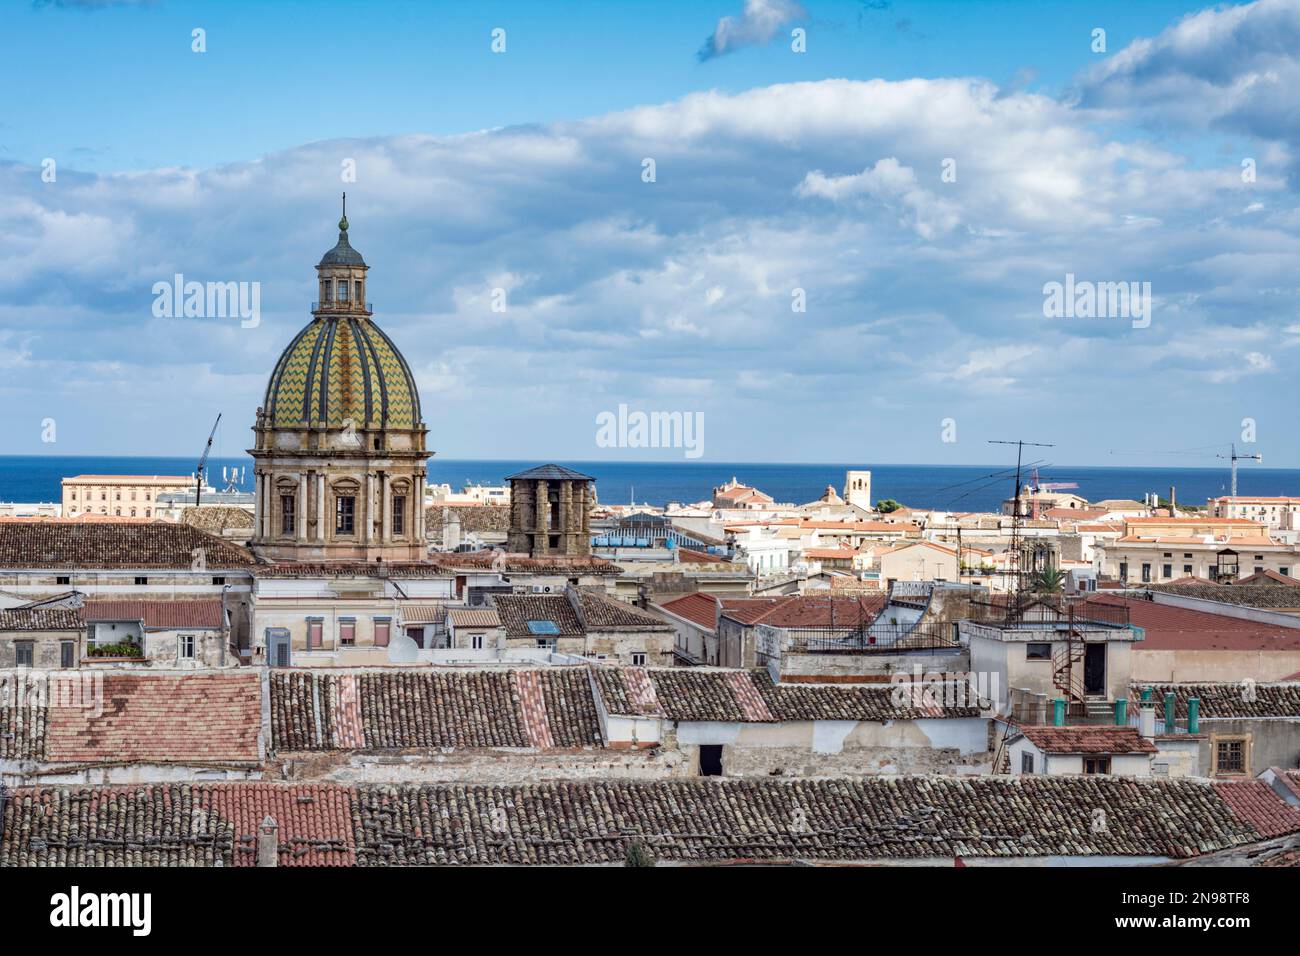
{"points": [[1194, 715], [1121, 712], [1058, 712], [1171, 726]]}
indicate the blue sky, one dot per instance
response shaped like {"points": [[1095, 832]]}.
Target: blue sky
{"points": [[775, 171]]}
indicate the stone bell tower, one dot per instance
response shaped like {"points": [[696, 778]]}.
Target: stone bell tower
{"points": [[550, 511]]}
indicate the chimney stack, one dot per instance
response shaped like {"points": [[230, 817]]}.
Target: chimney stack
{"points": [[1147, 721], [268, 844]]}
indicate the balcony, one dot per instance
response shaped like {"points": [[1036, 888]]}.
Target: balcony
{"points": [[337, 306]]}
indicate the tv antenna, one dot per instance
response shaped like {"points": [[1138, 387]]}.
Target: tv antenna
{"points": [[1014, 550]]}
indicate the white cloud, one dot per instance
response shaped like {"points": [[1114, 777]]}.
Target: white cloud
{"points": [[759, 23]]}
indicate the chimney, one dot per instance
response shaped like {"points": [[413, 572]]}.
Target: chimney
{"points": [[1147, 721], [1121, 712], [268, 844], [1173, 500], [1058, 712]]}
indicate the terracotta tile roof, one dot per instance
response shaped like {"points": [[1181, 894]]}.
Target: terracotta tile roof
{"points": [[473, 617], [23, 718], [181, 824], [1096, 739], [1255, 802], [40, 619], [1269, 576], [699, 608], [1226, 700], [158, 614], [690, 556], [90, 546], [206, 718], [686, 821], [715, 694], [470, 709], [420, 613], [1169, 627], [1254, 595], [516, 610], [600, 613]]}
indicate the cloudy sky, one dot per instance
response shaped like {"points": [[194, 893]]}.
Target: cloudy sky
{"points": [[920, 171]]}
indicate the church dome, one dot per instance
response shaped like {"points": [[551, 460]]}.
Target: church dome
{"points": [[342, 368]]}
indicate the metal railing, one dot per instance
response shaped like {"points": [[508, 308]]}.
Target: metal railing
{"points": [[870, 639], [1037, 609], [342, 306]]}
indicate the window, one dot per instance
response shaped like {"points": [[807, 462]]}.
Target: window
{"points": [[315, 633], [476, 642], [185, 647], [381, 633], [343, 290], [67, 654], [23, 651], [1096, 765], [347, 633], [1285, 571], [327, 291], [345, 514], [1123, 570], [218, 579], [638, 659], [1259, 569], [1038, 652], [1187, 569], [546, 643], [399, 514], [1026, 762], [356, 288], [1167, 570], [288, 511], [141, 579], [1230, 756], [1146, 571], [63, 579]]}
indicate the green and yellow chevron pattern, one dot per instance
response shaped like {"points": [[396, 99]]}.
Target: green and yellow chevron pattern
{"points": [[340, 369]]}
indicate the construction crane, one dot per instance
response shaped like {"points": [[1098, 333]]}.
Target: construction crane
{"points": [[1236, 458], [1035, 486], [203, 463]]}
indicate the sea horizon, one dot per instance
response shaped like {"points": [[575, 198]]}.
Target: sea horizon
{"points": [[980, 487]]}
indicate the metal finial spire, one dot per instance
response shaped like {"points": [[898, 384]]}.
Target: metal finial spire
{"points": [[343, 223]]}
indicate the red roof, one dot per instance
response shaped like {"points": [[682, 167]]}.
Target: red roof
{"points": [[162, 718], [158, 614], [698, 608], [1088, 740], [1178, 628], [1256, 803]]}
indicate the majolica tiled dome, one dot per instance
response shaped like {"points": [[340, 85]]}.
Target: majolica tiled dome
{"points": [[341, 368]]}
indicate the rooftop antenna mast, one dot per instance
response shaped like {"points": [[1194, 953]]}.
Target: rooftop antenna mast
{"points": [[1236, 458], [203, 463], [1014, 550]]}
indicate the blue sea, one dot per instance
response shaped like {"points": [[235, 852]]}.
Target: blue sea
{"points": [[954, 487]]}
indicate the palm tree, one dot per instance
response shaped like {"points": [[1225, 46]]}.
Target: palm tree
{"points": [[1050, 580]]}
